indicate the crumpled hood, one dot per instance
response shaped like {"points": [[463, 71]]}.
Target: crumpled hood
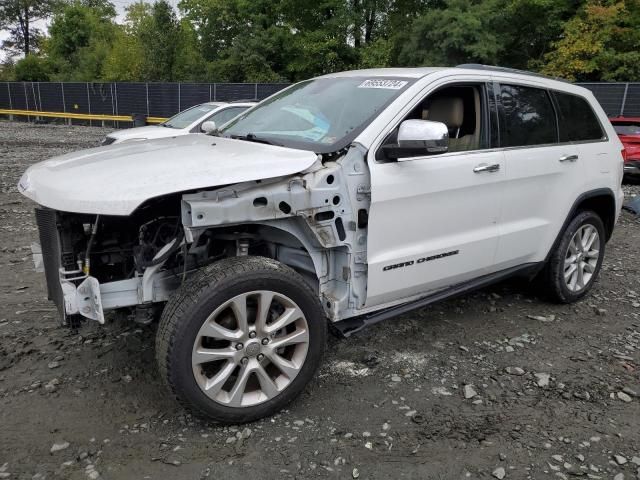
{"points": [[116, 179]]}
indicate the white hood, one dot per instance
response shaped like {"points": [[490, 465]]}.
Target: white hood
{"points": [[148, 132], [115, 180]]}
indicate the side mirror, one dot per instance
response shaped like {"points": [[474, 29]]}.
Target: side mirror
{"points": [[208, 126], [419, 137]]}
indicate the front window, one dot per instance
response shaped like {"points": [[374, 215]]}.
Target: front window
{"points": [[187, 117], [627, 128], [322, 115], [223, 116]]}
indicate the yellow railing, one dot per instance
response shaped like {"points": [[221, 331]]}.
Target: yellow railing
{"points": [[77, 116]]}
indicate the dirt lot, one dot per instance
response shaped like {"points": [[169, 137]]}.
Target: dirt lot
{"points": [[553, 391]]}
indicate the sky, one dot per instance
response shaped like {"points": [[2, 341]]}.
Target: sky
{"points": [[120, 8]]}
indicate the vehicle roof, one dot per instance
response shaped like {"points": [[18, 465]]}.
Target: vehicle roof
{"points": [[414, 72], [420, 72], [215, 104]]}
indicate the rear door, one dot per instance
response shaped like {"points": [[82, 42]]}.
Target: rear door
{"points": [[580, 125], [543, 177]]}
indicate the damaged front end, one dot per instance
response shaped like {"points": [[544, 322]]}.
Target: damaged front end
{"points": [[95, 263]]}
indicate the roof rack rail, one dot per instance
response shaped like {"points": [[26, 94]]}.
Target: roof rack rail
{"points": [[480, 66]]}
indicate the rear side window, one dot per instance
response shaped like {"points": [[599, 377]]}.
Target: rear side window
{"points": [[529, 117], [578, 122]]}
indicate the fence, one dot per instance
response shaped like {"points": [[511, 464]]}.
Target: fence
{"points": [[617, 98], [166, 99], [117, 99]]}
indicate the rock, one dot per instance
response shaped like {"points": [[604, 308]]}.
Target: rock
{"points": [[620, 460], [542, 379], [629, 391], [499, 473], [53, 364], [582, 395], [539, 318], [600, 311], [517, 371], [355, 473], [58, 446], [126, 378], [624, 397], [509, 349], [246, 433], [396, 378], [619, 476], [441, 391], [636, 460], [469, 392]]}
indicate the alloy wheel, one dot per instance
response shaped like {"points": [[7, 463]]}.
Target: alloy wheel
{"points": [[581, 258], [250, 348]]}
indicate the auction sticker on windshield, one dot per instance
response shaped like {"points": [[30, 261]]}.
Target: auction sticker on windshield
{"points": [[388, 84]]}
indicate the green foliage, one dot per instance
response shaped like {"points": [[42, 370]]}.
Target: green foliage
{"points": [[31, 69], [80, 40], [289, 40], [602, 42]]}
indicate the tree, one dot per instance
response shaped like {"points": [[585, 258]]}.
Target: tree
{"points": [[18, 16], [80, 41], [602, 42], [464, 31], [32, 69], [159, 34]]}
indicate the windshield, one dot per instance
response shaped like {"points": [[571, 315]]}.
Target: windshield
{"points": [[627, 128], [187, 117], [223, 116], [322, 115]]}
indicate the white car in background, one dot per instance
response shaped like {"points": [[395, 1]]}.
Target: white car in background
{"points": [[191, 120]]}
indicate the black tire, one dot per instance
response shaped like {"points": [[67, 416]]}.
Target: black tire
{"points": [[551, 279], [201, 294]]}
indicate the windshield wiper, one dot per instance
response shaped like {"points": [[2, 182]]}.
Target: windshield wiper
{"points": [[252, 137], [166, 125]]}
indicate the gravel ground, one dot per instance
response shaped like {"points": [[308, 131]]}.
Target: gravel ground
{"points": [[496, 384]]}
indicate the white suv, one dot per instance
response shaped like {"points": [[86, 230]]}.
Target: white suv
{"points": [[351, 197], [202, 118]]}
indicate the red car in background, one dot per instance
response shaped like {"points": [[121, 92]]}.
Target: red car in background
{"points": [[628, 129]]}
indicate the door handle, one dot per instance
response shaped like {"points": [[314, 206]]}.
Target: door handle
{"points": [[568, 158], [484, 167]]}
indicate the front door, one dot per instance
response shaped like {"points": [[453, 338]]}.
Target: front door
{"points": [[434, 219]]}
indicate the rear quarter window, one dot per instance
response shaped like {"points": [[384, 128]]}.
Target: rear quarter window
{"points": [[578, 121]]}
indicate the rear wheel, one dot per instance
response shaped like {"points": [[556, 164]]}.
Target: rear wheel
{"points": [[241, 339], [575, 263]]}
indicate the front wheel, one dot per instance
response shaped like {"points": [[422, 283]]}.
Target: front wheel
{"points": [[241, 339], [575, 263]]}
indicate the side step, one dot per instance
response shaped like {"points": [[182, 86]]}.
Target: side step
{"points": [[353, 325]]}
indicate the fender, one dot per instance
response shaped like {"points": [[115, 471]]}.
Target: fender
{"points": [[598, 192]]}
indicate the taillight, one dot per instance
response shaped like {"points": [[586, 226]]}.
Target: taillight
{"points": [[624, 154]]}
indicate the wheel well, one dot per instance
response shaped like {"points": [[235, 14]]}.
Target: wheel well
{"points": [[604, 205]]}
